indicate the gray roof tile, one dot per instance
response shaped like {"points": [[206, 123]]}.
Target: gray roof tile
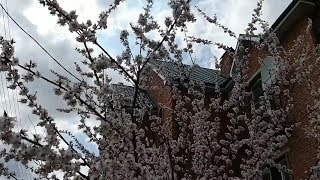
{"points": [[171, 71], [124, 92]]}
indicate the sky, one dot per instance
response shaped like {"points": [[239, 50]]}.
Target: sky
{"points": [[36, 20]]}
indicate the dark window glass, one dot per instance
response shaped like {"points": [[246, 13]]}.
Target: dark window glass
{"points": [[257, 91], [277, 174]]}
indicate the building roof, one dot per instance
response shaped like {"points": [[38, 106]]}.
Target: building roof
{"points": [[173, 71], [295, 10], [245, 41], [126, 93]]}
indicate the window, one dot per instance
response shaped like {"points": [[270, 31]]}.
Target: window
{"points": [[278, 174], [161, 113], [256, 89], [268, 71], [264, 79], [316, 26]]}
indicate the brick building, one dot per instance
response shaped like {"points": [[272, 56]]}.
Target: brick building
{"points": [[163, 74], [301, 152]]}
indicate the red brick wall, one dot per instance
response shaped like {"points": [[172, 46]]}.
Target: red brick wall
{"points": [[302, 149], [225, 64], [161, 94]]}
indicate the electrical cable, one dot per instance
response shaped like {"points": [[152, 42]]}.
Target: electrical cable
{"points": [[22, 172], [37, 42]]}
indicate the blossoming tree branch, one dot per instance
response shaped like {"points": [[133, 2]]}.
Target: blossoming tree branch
{"points": [[203, 133]]}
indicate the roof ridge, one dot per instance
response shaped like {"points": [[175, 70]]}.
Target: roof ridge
{"points": [[196, 65], [169, 70]]}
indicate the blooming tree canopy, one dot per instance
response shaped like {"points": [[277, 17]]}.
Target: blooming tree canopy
{"points": [[211, 138]]}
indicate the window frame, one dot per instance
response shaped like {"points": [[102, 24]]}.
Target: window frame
{"points": [[256, 82], [284, 175]]}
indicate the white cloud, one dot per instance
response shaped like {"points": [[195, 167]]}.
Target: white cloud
{"points": [[233, 14], [46, 24], [122, 17]]}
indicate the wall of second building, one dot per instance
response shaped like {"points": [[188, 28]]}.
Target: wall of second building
{"points": [[226, 63], [302, 152], [161, 95], [303, 149]]}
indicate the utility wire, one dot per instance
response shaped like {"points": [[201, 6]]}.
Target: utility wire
{"points": [[6, 94], [4, 24], [3, 95], [22, 172], [9, 31], [6, 10], [13, 92], [38, 43], [4, 101]]}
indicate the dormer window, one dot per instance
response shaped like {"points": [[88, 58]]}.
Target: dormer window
{"points": [[268, 72]]}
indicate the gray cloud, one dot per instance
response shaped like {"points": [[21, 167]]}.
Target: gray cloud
{"points": [[104, 3], [26, 49]]}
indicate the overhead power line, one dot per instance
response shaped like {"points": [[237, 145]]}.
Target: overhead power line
{"points": [[19, 169], [38, 43], [9, 31]]}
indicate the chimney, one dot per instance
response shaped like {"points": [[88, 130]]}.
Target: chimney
{"points": [[226, 62]]}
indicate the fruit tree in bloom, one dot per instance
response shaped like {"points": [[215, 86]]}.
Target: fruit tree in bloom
{"points": [[212, 138]]}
